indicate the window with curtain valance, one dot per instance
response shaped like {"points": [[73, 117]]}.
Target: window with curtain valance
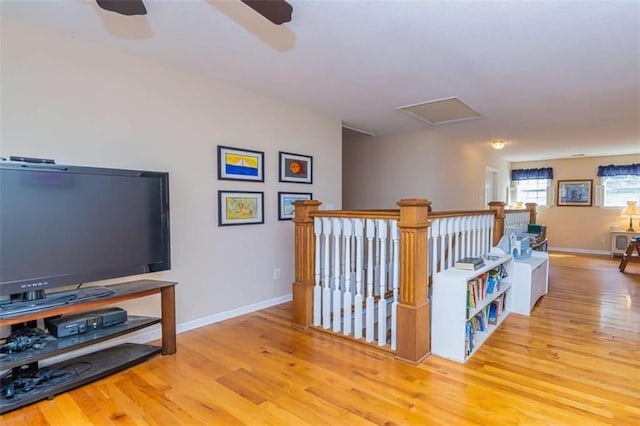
{"points": [[621, 184], [612, 170], [532, 185], [529, 174]]}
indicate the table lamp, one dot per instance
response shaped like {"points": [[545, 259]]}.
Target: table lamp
{"points": [[632, 211]]}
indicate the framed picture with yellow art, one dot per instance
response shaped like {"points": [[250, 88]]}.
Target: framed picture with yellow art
{"points": [[240, 208], [295, 168], [240, 164]]}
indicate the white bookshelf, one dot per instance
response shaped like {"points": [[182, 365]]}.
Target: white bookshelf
{"points": [[449, 312]]}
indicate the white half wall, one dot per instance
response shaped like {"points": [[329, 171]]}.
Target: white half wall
{"points": [[84, 104]]}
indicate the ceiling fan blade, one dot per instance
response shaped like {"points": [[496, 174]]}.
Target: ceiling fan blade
{"points": [[123, 7], [276, 11]]}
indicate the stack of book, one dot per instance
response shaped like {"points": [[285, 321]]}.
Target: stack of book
{"points": [[469, 263]]}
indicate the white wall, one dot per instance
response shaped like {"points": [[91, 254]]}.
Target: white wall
{"points": [[379, 171], [80, 103]]}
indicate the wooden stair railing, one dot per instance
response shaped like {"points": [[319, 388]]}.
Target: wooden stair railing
{"points": [[413, 222]]}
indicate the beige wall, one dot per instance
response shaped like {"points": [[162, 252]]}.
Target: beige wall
{"points": [[378, 171], [581, 229], [80, 103]]}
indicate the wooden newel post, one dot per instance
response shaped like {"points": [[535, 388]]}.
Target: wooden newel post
{"points": [[305, 257], [498, 221], [414, 327], [532, 207]]}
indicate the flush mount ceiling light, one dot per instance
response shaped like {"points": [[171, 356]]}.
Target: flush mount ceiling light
{"points": [[441, 111], [497, 144]]}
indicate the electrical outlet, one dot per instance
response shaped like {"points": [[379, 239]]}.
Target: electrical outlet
{"points": [[277, 274]]}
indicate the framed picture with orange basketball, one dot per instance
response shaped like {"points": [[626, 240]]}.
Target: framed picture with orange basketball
{"points": [[295, 168]]}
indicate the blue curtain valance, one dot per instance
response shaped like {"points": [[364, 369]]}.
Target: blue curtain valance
{"points": [[528, 174], [627, 169]]}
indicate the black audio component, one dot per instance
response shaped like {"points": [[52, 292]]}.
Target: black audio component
{"points": [[32, 160], [83, 322]]}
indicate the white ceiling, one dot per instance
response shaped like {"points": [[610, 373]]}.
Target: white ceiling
{"points": [[553, 78]]}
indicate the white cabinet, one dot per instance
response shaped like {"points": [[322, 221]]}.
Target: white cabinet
{"points": [[530, 281], [620, 241], [461, 322]]}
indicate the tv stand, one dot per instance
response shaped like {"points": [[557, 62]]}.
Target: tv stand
{"points": [[103, 362]]}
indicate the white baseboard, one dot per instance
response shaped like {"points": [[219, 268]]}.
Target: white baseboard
{"points": [[212, 319], [577, 250], [154, 332]]}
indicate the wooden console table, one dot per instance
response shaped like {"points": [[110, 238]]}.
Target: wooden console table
{"points": [[103, 362]]}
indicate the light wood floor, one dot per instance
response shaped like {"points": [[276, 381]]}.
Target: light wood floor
{"points": [[575, 361]]}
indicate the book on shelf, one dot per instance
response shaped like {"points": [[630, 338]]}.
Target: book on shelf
{"points": [[469, 263], [491, 287], [493, 313]]}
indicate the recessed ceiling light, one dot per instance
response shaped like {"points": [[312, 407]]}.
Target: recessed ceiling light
{"points": [[577, 155]]}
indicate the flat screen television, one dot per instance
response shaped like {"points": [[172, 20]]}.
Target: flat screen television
{"points": [[63, 225]]}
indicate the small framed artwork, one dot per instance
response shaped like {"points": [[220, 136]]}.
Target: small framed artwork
{"points": [[296, 168], [240, 208], [240, 164], [286, 209], [575, 192]]}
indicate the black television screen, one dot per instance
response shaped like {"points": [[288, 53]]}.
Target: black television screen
{"points": [[67, 225]]}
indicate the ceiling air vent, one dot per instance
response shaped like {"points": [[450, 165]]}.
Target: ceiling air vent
{"points": [[441, 111]]}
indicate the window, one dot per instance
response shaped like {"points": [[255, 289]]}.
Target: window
{"points": [[620, 189], [532, 185], [621, 184], [532, 191]]}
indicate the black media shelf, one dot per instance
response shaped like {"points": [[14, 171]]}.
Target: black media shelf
{"points": [[32, 384], [80, 371], [54, 346]]}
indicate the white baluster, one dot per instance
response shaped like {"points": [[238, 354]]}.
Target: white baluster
{"points": [[476, 236], [337, 294], [488, 221], [491, 227], [470, 232], [371, 232], [483, 235], [433, 247], [395, 239], [358, 226], [450, 234], [443, 252], [457, 229], [347, 233], [326, 289], [317, 289], [382, 303], [376, 268], [464, 231]]}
